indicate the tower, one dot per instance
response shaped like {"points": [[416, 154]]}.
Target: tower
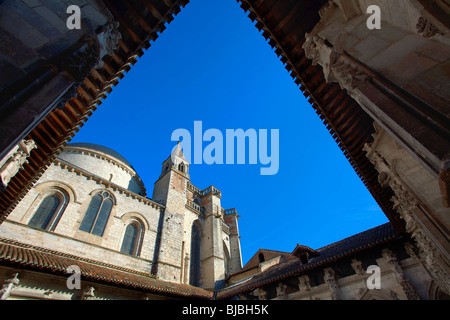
{"points": [[170, 191], [198, 240]]}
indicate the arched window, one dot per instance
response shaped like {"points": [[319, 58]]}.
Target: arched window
{"points": [[49, 211], [181, 167], [261, 257], [226, 260], [194, 278], [97, 214], [132, 239]]}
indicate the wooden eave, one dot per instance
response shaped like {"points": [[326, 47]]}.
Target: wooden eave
{"points": [[140, 23]]}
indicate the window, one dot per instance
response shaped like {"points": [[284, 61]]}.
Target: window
{"points": [[49, 211], [194, 278], [131, 239], [181, 167], [97, 214]]}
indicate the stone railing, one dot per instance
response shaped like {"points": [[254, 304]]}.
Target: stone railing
{"points": [[226, 228], [212, 190], [202, 193], [195, 207], [194, 189], [229, 211]]}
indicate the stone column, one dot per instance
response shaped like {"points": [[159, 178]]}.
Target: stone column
{"points": [[260, 293], [14, 161], [304, 285], [408, 288], [330, 281], [409, 207]]}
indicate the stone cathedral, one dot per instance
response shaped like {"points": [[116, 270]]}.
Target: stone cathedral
{"points": [[66, 209], [92, 203]]}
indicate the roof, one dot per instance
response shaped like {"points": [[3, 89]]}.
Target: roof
{"points": [[49, 261], [330, 253], [267, 254], [300, 249], [177, 151], [100, 148], [14, 253]]}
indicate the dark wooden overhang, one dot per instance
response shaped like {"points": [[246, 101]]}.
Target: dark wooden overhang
{"points": [[141, 21], [283, 22]]}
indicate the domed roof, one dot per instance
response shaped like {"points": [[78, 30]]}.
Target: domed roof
{"points": [[105, 163], [103, 149]]}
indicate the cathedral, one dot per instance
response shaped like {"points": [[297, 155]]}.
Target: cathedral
{"points": [[89, 213], [76, 221], [91, 204]]}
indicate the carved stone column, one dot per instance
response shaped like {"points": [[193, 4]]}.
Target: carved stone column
{"points": [[408, 288], [304, 285], [406, 203], [14, 161], [330, 280], [260, 293], [358, 267], [336, 68], [281, 291], [8, 286]]}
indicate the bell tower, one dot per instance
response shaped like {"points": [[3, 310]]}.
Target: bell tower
{"points": [[170, 191]]}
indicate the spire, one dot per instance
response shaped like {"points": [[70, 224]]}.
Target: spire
{"points": [[177, 151]]}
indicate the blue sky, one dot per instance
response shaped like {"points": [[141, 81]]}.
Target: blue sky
{"points": [[212, 65]]}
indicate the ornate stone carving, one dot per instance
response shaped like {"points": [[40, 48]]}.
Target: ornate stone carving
{"points": [[408, 288], [304, 284], [281, 291], [260, 293], [108, 37], [426, 28], [358, 267], [14, 161], [88, 294], [330, 280], [8, 286], [335, 67], [405, 203]]}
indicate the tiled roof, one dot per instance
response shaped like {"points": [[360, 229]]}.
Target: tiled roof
{"points": [[13, 252], [268, 254], [327, 254]]}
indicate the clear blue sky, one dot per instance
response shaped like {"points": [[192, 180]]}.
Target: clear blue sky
{"points": [[212, 65]]}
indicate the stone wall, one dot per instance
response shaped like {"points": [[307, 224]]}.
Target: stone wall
{"points": [[68, 238]]}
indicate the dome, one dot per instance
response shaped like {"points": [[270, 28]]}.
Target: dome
{"points": [[104, 163]]}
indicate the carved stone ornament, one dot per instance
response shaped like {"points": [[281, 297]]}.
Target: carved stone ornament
{"points": [[426, 28], [281, 291], [304, 284], [407, 287], [330, 280], [89, 294], [14, 161], [405, 202], [8, 286], [260, 293], [335, 67], [108, 37]]}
